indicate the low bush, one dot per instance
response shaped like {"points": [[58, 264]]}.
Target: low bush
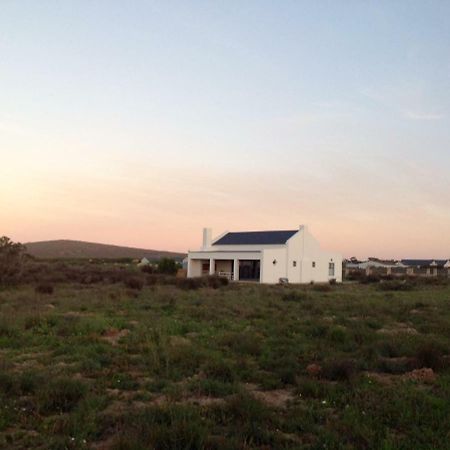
{"points": [[212, 281], [219, 369], [430, 355], [395, 285], [44, 288], [213, 388], [244, 343], [322, 287], [60, 395], [339, 370], [216, 282], [175, 427], [148, 269], [190, 283], [135, 283], [295, 296], [397, 365], [167, 266]]}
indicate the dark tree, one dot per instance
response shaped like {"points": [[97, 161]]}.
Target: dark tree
{"points": [[11, 260], [168, 266]]}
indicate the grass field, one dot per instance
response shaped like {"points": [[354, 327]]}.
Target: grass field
{"points": [[239, 367]]}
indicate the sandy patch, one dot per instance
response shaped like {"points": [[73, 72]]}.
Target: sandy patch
{"points": [[113, 336], [397, 328]]}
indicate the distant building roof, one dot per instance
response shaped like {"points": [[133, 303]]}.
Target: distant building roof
{"points": [[256, 237], [424, 262]]}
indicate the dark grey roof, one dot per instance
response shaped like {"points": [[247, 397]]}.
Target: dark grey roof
{"points": [[423, 262], [256, 237]]}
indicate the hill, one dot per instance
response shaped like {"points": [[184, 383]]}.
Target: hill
{"points": [[66, 248]]}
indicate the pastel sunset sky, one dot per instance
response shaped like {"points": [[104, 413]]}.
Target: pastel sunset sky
{"points": [[141, 122]]}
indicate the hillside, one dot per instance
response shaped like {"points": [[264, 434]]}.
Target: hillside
{"points": [[79, 249]]}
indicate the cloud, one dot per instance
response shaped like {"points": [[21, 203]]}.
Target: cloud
{"points": [[422, 115], [411, 101]]}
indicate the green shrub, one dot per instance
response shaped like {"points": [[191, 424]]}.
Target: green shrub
{"points": [[430, 355], [219, 369], [191, 283], [338, 334], [339, 370], [321, 287], [295, 296], [244, 343], [397, 365], [173, 427], [167, 266], [211, 387], [216, 282], [8, 384], [60, 395], [395, 285]]}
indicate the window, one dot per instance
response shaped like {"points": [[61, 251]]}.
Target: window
{"points": [[314, 264], [205, 267], [294, 263], [331, 269]]}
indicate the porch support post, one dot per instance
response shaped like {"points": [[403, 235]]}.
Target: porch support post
{"points": [[236, 269], [211, 266]]}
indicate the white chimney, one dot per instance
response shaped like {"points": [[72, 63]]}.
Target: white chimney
{"points": [[207, 238]]}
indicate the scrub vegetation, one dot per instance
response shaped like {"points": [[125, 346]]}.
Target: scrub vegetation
{"points": [[115, 358]]}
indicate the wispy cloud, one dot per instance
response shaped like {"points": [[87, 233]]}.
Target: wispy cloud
{"points": [[422, 115], [409, 101]]}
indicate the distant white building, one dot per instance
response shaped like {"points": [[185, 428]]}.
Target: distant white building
{"points": [[265, 256], [143, 262], [374, 263]]}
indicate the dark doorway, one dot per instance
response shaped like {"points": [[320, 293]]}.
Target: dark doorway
{"points": [[249, 270]]}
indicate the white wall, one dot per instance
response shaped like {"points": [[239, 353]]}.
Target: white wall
{"points": [[194, 268], [271, 273], [312, 252]]}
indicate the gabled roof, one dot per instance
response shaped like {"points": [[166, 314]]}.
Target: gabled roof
{"points": [[255, 237]]}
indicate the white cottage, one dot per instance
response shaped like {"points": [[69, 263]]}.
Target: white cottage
{"points": [[265, 256]]}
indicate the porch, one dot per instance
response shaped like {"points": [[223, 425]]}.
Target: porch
{"points": [[245, 266]]}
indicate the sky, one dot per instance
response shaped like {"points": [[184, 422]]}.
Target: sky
{"points": [[141, 122]]}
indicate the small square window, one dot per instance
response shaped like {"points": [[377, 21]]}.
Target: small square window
{"points": [[294, 263], [314, 264]]}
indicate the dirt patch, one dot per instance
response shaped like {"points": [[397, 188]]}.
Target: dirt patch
{"points": [[397, 328], [313, 370], [179, 341], [106, 444], [386, 379], [113, 335], [277, 398], [77, 314], [424, 375], [204, 401]]}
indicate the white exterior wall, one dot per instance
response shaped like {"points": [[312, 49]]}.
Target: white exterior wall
{"points": [[312, 252], [270, 272], [194, 268]]}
